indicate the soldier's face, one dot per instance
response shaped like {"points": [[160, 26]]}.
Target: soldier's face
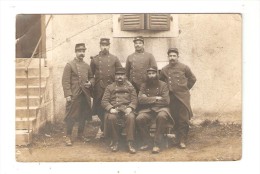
{"points": [[80, 54], [104, 48], [139, 45], [173, 57], [120, 77], [151, 74]]}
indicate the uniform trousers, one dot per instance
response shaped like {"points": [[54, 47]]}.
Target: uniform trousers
{"points": [[76, 112], [112, 125], [143, 121]]}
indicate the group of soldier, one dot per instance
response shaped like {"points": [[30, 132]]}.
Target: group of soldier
{"points": [[130, 97]]}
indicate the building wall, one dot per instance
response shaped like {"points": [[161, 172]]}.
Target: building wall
{"points": [[209, 43]]}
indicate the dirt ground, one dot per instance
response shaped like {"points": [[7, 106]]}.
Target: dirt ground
{"points": [[208, 141]]}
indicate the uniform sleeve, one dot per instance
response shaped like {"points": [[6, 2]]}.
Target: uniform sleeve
{"points": [[66, 81], [92, 66], [144, 99], [134, 99], [127, 68], [152, 61], [105, 103], [93, 70], [162, 76], [165, 96], [190, 76], [91, 76]]}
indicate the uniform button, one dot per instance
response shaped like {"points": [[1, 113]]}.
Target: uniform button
{"points": [[178, 80], [170, 82], [169, 77]]}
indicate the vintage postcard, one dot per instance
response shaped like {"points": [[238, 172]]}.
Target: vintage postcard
{"points": [[130, 87]]}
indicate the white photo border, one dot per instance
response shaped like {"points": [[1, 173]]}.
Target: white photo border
{"points": [[250, 16]]}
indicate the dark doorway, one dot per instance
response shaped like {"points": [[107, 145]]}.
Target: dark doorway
{"points": [[28, 32]]}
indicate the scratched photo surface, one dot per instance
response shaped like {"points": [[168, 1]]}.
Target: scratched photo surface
{"points": [[71, 65]]}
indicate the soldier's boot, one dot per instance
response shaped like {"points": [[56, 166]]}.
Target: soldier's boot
{"points": [[131, 148], [145, 145], [182, 144], [156, 148], [68, 141], [114, 147], [100, 134], [82, 138]]}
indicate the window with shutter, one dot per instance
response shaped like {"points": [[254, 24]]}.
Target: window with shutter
{"points": [[158, 22], [132, 22]]}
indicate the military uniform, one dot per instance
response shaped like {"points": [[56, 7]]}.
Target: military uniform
{"points": [[103, 67], [119, 97], [151, 108], [136, 66], [76, 74], [180, 80]]}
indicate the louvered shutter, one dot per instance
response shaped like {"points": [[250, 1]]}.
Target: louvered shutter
{"points": [[158, 22], [132, 22]]}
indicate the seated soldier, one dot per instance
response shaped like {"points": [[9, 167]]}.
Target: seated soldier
{"points": [[154, 104], [120, 101]]}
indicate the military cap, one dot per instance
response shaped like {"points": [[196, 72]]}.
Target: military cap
{"points": [[175, 50], [80, 46], [105, 41], [120, 70], [152, 68], [140, 38]]}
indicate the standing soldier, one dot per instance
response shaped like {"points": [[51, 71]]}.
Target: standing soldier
{"points": [[180, 80], [154, 104], [138, 62], [77, 81], [103, 67], [120, 101]]}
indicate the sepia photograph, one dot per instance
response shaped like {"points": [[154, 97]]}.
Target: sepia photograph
{"points": [[128, 87]]}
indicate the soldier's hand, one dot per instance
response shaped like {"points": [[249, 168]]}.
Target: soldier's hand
{"points": [[128, 111], [68, 99], [87, 85], [158, 97], [144, 95], [113, 111]]}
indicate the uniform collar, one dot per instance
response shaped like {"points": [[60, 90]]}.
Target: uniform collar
{"points": [[78, 60], [103, 54], [171, 65], [141, 51], [118, 85]]}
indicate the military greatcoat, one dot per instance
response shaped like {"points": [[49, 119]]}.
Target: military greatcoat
{"points": [[136, 66], [103, 67], [180, 80], [76, 74]]}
